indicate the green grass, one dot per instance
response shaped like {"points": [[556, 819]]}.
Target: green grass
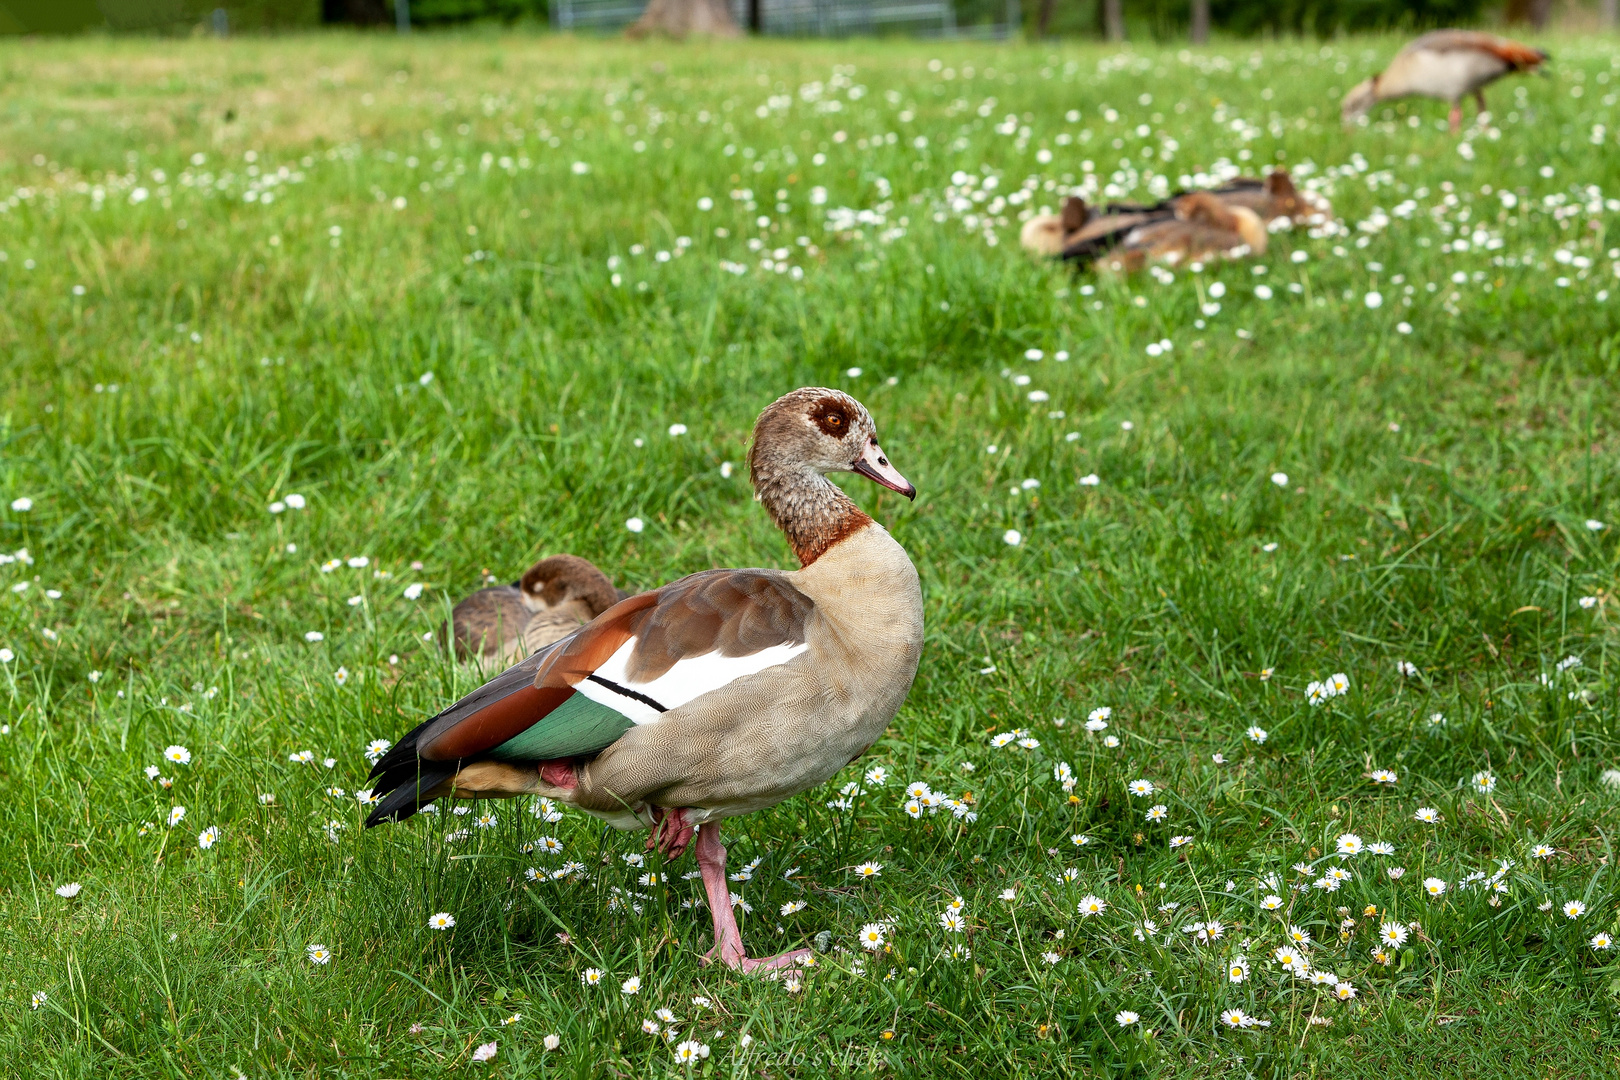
{"points": [[1439, 482]]}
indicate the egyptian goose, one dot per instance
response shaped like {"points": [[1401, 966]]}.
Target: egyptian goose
{"points": [[721, 693], [555, 597], [1445, 64], [1201, 227], [1274, 197], [1082, 236]]}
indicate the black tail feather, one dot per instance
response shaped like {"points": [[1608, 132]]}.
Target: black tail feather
{"points": [[407, 794], [404, 780]]}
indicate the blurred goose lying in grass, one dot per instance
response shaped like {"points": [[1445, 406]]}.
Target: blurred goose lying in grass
{"points": [[721, 693], [1446, 64], [1081, 235], [1201, 228], [555, 597]]}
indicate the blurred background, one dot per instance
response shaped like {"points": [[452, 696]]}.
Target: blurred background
{"points": [[1159, 20]]}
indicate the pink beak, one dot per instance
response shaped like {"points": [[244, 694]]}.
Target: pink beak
{"points": [[873, 465]]}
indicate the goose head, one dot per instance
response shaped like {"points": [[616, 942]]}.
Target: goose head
{"points": [[1361, 98], [560, 580], [816, 430]]}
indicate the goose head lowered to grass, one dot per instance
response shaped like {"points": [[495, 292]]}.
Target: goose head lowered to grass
{"points": [[717, 694]]}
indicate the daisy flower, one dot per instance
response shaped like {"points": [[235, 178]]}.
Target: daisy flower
{"points": [[868, 870], [1483, 782], [1157, 812], [1299, 935], [871, 936], [39, 997], [1381, 847], [1434, 886], [177, 755], [1271, 903], [1292, 960], [1092, 905], [69, 891], [1180, 841], [690, 1050], [1543, 851], [1392, 934], [952, 921], [1235, 1018], [1344, 991], [176, 816], [1426, 814], [1124, 1018], [318, 954], [1238, 969], [591, 977], [1079, 839], [1256, 734], [1383, 776], [1349, 844], [1140, 788], [208, 837], [631, 986], [1601, 941], [1574, 909], [441, 921]]}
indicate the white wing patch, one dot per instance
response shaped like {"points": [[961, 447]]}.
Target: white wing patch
{"points": [[689, 678]]}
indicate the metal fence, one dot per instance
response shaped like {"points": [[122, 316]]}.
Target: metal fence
{"points": [[805, 18]]}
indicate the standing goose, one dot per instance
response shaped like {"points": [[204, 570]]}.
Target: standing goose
{"points": [[1445, 64], [721, 693], [555, 597]]}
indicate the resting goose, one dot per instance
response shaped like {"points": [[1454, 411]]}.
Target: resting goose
{"points": [[721, 693], [1444, 64], [551, 600], [1202, 227], [1083, 236], [1275, 197]]}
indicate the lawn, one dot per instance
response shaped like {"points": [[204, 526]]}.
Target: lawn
{"points": [[476, 299]]}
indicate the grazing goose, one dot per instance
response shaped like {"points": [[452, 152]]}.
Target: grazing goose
{"points": [[1201, 227], [721, 693], [1445, 64], [554, 598]]}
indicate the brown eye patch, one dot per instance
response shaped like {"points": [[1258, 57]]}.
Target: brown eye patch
{"points": [[831, 417]]}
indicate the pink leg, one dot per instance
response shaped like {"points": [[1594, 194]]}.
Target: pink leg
{"points": [[711, 856], [1456, 117], [670, 832]]}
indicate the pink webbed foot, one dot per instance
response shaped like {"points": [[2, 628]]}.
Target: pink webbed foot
{"points": [[671, 833], [737, 961]]}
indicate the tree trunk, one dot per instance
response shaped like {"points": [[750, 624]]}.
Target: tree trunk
{"points": [[1114, 20], [681, 18], [1044, 19], [1200, 22], [1534, 12]]}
